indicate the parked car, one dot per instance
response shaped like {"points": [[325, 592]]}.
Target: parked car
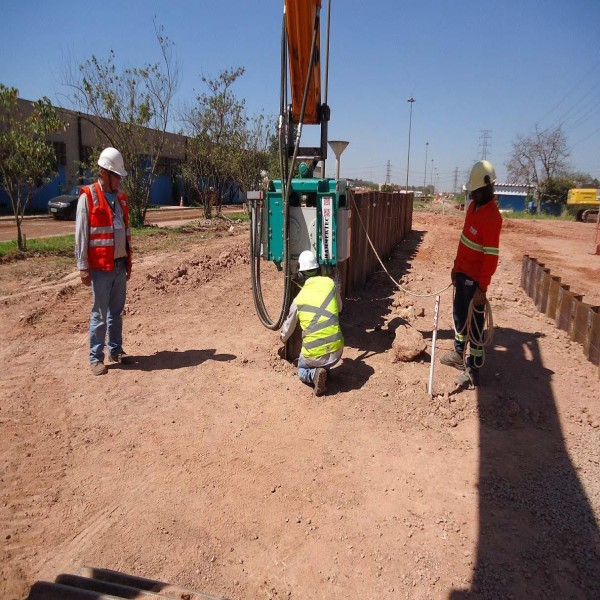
{"points": [[65, 206]]}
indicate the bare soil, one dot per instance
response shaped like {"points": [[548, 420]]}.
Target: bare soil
{"points": [[207, 463]]}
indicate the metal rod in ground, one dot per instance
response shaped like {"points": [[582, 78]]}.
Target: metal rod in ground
{"points": [[433, 341]]}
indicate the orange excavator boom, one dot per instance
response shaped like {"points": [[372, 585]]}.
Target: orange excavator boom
{"points": [[301, 18]]}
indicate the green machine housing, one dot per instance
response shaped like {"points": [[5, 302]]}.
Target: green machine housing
{"points": [[319, 220]]}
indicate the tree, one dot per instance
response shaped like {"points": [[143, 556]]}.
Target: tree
{"points": [[538, 159], [226, 147], [584, 180], [557, 189], [258, 155], [26, 159], [130, 108]]}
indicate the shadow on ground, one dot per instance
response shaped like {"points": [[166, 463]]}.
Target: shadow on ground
{"points": [[538, 537], [169, 360]]}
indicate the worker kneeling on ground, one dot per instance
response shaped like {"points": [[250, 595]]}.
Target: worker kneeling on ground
{"points": [[317, 308], [475, 263]]}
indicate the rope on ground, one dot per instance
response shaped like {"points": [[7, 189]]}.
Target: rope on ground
{"points": [[400, 287]]}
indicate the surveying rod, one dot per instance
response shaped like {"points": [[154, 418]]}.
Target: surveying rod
{"points": [[433, 340]]}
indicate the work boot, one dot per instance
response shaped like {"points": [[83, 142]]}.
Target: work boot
{"points": [[469, 379], [453, 359], [121, 357], [320, 381], [98, 368]]}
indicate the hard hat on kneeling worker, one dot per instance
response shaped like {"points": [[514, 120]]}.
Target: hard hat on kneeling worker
{"points": [[307, 261], [482, 174], [112, 160]]}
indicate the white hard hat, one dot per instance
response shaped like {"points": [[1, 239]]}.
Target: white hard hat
{"points": [[480, 171], [307, 261], [111, 160]]}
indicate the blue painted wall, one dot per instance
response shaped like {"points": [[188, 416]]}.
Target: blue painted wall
{"points": [[515, 203], [162, 191], [40, 198]]}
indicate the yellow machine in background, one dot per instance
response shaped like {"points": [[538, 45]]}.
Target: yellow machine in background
{"points": [[583, 203]]}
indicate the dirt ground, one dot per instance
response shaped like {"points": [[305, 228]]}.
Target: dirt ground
{"points": [[207, 463]]}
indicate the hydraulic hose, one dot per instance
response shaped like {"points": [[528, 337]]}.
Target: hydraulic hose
{"points": [[286, 183]]}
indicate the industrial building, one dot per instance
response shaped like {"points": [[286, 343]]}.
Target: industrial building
{"points": [[73, 146]]}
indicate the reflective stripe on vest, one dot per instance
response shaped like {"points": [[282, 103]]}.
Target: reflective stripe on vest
{"points": [[321, 333], [102, 238], [478, 247]]}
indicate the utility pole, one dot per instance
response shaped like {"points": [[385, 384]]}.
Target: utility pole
{"points": [[455, 180], [387, 173], [411, 101], [432, 174], [425, 176]]}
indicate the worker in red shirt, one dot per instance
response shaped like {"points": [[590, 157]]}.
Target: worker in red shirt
{"points": [[475, 263]]}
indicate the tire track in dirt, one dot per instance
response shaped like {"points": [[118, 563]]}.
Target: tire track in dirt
{"points": [[40, 448]]}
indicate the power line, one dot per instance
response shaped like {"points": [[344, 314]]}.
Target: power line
{"points": [[587, 137], [592, 111], [570, 91]]}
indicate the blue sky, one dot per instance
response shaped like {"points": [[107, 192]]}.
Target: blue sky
{"points": [[500, 66]]}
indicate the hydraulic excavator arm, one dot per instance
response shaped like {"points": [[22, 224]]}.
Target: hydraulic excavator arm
{"points": [[299, 210], [303, 37], [301, 18]]}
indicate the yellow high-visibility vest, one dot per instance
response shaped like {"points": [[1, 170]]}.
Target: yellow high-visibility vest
{"points": [[318, 313]]}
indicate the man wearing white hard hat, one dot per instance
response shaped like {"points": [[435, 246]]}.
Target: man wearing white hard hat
{"points": [[476, 261], [103, 254], [317, 308]]}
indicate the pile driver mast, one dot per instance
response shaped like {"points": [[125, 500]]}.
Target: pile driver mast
{"points": [[303, 212]]}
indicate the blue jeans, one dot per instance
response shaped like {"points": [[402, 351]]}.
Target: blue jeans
{"points": [[307, 373], [108, 289]]}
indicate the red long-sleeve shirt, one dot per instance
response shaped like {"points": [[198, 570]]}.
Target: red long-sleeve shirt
{"points": [[478, 248]]}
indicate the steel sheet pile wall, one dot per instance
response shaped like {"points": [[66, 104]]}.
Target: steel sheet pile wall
{"points": [[387, 219], [556, 300]]}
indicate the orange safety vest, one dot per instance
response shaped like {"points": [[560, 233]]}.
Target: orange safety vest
{"points": [[101, 245], [478, 248]]}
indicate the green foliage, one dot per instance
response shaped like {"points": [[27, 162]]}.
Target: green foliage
{"points": [[460, 198], [239, 216], [26, 158], [60, 245], [582, 180], [145, 240], [130, 109], [543, 216], [363, 183], [557, 189], [225, 146]]}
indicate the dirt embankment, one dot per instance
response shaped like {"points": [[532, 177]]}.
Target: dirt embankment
{"points": [[209, 464]]}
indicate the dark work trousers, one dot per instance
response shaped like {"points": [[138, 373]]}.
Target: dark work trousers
{"points": [[464, 288]]}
